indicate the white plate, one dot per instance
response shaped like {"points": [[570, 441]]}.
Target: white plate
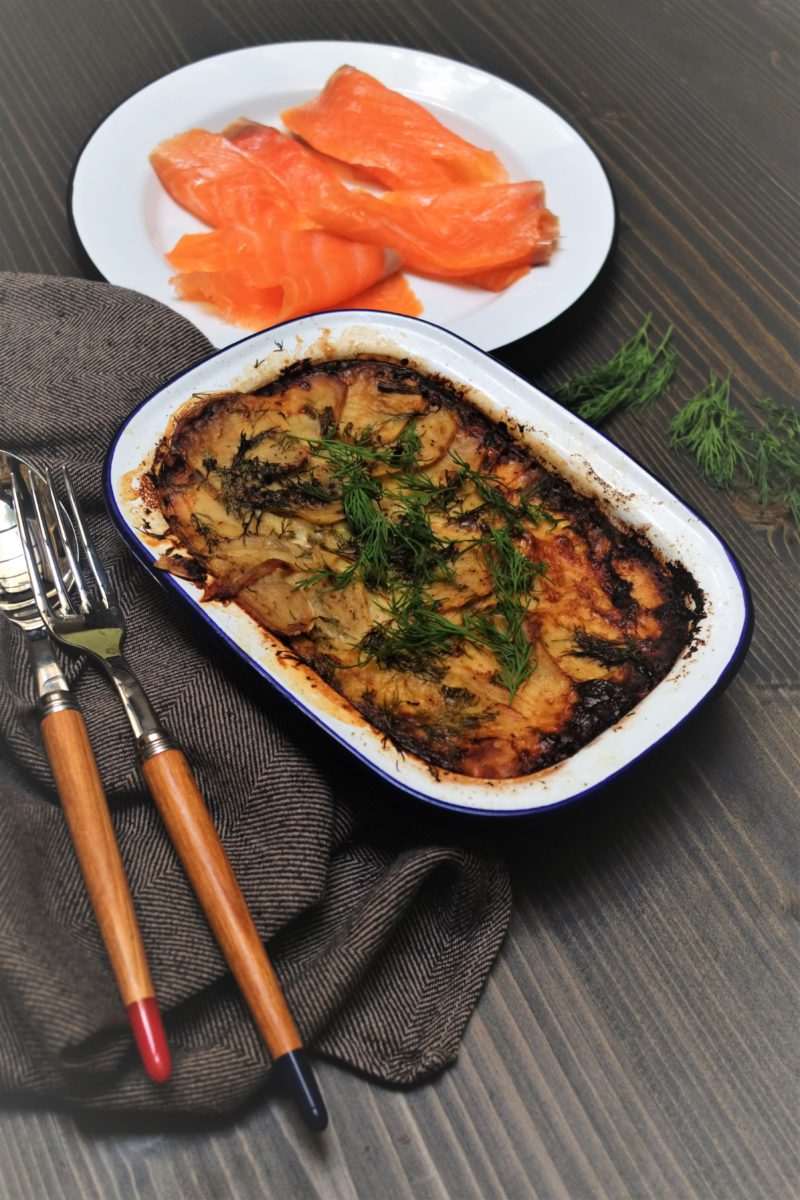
{"points": [[582, 455], [126, 222]]}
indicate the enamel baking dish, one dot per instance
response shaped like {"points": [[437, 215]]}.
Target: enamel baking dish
{"points": [[587, 460]]}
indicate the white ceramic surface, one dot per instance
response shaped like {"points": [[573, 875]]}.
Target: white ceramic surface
{"points": [[598, 467], [126, 221]]}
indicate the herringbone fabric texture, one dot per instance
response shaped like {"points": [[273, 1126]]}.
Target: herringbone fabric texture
{"points": [[382, 920]]}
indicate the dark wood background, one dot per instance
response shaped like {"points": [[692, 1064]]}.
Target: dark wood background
{"points": [[638, 1036]]}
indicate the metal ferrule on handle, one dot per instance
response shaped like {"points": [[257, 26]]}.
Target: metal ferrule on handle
{"points": [[153, 743], [54, 702]]}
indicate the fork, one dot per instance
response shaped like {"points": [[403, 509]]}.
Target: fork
{"points": [[94, 624]]}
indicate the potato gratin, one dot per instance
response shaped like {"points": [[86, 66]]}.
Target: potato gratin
{"points": [[463, 598]]}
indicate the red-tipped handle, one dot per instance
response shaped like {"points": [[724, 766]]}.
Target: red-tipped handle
{"points": [[83, 801], [150, 1038]]}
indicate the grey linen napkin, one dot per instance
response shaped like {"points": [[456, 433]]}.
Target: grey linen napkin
{"points": [[381, 919]]}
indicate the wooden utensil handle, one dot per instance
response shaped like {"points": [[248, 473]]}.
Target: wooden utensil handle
{"points": [[199, 848], [85, 807]]}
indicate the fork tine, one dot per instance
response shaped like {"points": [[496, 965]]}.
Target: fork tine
{"points": [[101, 579], [47, 546], [72, 559], [26, 516]]}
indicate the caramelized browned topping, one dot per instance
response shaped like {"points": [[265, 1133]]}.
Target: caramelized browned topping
{"points": [[469, 603]]}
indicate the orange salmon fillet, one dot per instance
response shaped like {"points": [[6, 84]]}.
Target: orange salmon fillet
{"points": [[394, 294], [208, 175], [357, 119], [259, 277], [497, 279], [289, 237], [457, 233]]}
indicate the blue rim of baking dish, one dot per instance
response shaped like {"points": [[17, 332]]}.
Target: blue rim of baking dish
{"points": [[166, 581]]}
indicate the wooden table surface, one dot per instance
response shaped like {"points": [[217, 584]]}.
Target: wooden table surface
{"points": [[638, 1035]]}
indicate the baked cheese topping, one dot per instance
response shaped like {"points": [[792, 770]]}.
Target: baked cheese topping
{"points": [[464, 599]]}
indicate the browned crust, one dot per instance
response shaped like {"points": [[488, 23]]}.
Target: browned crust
{"points": [[629, 614]]}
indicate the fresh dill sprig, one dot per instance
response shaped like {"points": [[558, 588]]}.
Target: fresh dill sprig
{"points": [[406, 550], [636, 375], [416, 552], [776, 463], [416, 638], [364, 449], [396, 551], [370, 525], [503, 630], [404, 546], [716, 434], [491, 491], [735, 455], [361, 493], [407, 446]]}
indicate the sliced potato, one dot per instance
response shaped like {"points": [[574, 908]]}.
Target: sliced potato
{"points": [[276, 602], [316, 396], [471, 581], [367, 407], [436, 430]]}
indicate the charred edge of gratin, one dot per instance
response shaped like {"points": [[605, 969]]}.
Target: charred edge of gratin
{"points": [[597, 703]]}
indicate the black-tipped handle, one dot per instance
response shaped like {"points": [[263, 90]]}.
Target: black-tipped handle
{"points": [[188, 821], [295, 1074]]}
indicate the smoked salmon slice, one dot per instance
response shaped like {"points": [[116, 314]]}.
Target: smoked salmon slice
{"points": [[393, 294], [208, 175], [259, 277], [497, 279], [398, 142], [291, 232], [453, 234], [468, 230]]}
